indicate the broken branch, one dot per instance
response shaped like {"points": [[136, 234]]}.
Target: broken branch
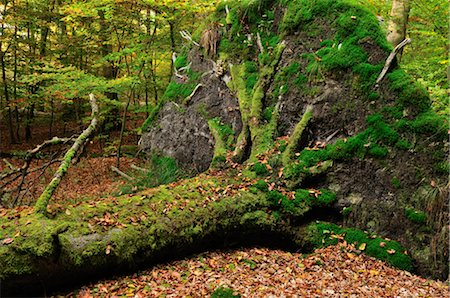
{"points": [[391, 57], [42, 202]]}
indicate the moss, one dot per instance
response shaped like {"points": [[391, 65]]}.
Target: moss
{"points": [[176, 91], [224, 137], [410, 93], [181, 61], [415, 216], [403, 144], [261, 185], [346, 211], [396, 182], [260, 169], [392, 252], [315, 198], [297, 135], [378, 151], [222, 292]]}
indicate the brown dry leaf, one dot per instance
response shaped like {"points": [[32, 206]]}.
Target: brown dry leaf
{"points": [[362, 246], [382, 244], [390, 251], [8, 241], [108, 249]]}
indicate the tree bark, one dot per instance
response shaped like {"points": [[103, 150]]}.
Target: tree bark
{"points": [[42, 202], [398, 22]]}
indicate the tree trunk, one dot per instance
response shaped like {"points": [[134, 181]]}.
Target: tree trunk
{"points": [[12, 139], [124, 119], [398, 22]]}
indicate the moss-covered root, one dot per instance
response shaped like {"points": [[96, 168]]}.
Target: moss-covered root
{"points": [[297, 135], [42, 202], [220, 150], [242, 144]]}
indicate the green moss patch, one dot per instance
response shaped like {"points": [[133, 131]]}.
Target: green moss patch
{"points": [[387, 250], [415, 216]]}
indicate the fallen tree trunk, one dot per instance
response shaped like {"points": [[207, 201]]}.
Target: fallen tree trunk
{"points": [[42, 202]]}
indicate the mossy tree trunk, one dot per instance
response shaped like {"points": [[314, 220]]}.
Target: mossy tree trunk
{"points": [[42, 202]]}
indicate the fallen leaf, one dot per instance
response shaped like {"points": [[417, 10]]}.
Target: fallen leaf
{"points": [[382, 244], [8, 241], [362, 246], [390, 251]]}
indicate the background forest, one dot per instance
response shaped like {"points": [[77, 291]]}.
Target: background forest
{"points": [[54, 53]]}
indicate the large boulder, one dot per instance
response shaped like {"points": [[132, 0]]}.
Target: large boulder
{"points": [[384, 147]]}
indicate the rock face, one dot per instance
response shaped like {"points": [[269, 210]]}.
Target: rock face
{"points": [[182, 130], [387, 146]]}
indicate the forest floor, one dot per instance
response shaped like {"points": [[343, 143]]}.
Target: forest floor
{"points": [[336, 271]]}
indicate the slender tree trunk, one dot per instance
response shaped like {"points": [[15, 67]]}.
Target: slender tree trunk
{"points": [[50, 133], [43, 42], [30, 116], [172, 46], [12, 139], [398, 22], [124, 119], [16, 110]]}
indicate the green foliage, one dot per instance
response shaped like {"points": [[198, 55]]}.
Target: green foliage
{"points": [[415, 216], [222, 292], [391, 252], [428, 60]]}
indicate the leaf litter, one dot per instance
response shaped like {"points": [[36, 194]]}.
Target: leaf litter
{"points": [[334, 271]]}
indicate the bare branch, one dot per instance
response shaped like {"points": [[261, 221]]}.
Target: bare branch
{"points": [[43, 200], [391, 57]]}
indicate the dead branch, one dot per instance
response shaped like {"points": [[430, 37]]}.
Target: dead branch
{"points": [[140, 169], [210, 40], [391, 57], [10, 165], [186, 35], [43, 200], [187, 99], [258, 41], [116, 170]]}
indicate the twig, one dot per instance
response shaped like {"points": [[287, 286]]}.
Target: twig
{"points": [[258, 41], [187, 99], [186, 35], [114, 169], [10, 165], [391, 57], [140, 169]]}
